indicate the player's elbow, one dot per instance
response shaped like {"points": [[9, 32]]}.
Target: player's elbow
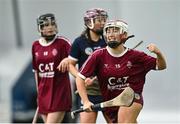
{"points": [[162, 67]]}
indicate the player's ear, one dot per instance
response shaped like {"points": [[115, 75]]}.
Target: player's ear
{"points": [[125, 34]]}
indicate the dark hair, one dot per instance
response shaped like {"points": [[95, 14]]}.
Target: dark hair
{"points": [[86, 34]]}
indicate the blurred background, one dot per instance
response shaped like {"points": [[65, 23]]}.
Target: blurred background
{"points": [[156, 21]]}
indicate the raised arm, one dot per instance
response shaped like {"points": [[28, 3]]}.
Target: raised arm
{"points": [[161, 62]]}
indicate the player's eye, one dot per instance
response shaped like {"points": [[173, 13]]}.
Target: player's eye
{"points": [[53, 23], [46, 24], [108, 31]]}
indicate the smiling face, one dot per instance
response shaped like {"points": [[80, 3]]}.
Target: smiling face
{"points": [[112, 34], [115, 32]]}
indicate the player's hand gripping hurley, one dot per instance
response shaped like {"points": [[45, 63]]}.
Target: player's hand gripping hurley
{"points": [[123, 99]]}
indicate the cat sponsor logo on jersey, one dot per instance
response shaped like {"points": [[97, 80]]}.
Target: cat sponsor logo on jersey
{"points": [[46, 70], [117, 83]]}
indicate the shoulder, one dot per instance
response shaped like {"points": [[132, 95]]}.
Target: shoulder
{"points": [[98, 55], [36, 42], [135, 52], [79, 39], [100, 52], [63, 39]]}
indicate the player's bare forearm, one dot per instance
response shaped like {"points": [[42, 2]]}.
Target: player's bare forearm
{"points": [[73, 70], [161, 62], [81, 89], [36, 80]]}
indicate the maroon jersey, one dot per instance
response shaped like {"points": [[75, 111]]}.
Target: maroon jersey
{"points": [[115, 72], [54, 91]]}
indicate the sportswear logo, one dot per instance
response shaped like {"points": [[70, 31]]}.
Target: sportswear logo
{"points": [[45, 53], [105, 65]]}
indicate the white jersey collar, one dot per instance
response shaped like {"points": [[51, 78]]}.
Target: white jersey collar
{"points": [[43, 42], [116, 55]]}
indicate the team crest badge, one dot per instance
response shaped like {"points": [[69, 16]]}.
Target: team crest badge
{"points": [[88, 51], [54, 52], [129, 64]]}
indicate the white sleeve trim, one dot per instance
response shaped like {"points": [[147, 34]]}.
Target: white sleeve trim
{"points": [[81, 76], [33, 70], [156, 67], [101, 104]]}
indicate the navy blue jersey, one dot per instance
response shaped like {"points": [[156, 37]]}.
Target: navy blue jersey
{"points": [[82, 48]]}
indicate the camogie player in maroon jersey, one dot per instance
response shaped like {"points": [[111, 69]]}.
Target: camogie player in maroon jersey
{"points": [[53, 86], [117, 67]]}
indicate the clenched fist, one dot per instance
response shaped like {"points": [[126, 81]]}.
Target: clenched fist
{"points": [[153, 48]]}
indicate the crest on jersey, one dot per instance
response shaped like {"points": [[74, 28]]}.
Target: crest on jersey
{"points": [[129, 64], [88, 51], [54, 52]]}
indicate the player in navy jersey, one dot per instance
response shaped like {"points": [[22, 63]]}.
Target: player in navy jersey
{"points": [[117, 67], [89, 41], [53, 86]]}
